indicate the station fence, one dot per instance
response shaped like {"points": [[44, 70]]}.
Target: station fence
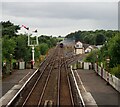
{"points": [[113, 81]]}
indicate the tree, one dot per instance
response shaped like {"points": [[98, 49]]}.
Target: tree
{"points": [[37, 52], [100, 39], [22, 51], [9, 29], [91, 57], [43, 48], [77, 36], [8, 47], [114, 50], [51, 41]]}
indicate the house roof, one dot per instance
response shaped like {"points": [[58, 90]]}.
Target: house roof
{"points": [[85, 45], [79, 45]]}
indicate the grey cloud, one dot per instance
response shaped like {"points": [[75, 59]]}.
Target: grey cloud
{"points": [[119, 15], [62, 18], [68, 10]]}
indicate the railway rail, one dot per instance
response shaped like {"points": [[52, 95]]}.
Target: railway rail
{"points": [[36, 92], [52, 84], [65, 93]]}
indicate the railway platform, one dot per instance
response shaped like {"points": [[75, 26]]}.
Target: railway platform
{"points": [[104, 95], [15, 82]]}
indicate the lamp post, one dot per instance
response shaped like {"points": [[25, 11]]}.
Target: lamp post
{"points": [[97, 63], [11, 64], [107, 61]]}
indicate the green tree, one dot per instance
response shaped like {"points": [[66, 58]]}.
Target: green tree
{"points": [[8, 47], [22, 51], [100, 39], [91, 57], [9, 29], [37, 52], [114, 50], [43, 48], [116, 71]]}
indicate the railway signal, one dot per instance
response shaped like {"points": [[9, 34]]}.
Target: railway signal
{"points": [[32, 42]]}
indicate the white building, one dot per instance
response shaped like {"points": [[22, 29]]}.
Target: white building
{"points": [[90, 48], [79, 49]]}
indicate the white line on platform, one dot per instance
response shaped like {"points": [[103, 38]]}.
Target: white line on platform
{"points": [[21, 89], [80, 81], [79, 93], [24, 77]]}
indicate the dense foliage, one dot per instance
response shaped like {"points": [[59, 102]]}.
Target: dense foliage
{"points": [[97, 37], [110, 49], [17, 44], [9, 29]]}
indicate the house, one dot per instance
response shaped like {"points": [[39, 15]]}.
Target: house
{"points": [[78, 48], [81, 48], [90, 48]]}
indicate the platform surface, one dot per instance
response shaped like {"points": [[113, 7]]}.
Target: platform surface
{"points": [[18, 76], [103, 94]]}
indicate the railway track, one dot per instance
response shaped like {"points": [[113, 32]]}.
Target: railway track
{"points": [[52, 86], [32, 96], [35, 95], [65, 93], [57, 89], [49, 96]]}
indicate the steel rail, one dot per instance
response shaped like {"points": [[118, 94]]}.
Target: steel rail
{"points": [[58, 95], [37, 80], [46, 82], [10, 102], [63, 63], [34, 86], [70, 89]]}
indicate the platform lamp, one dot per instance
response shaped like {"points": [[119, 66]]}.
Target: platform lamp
{"points": [[11, 64], [97, 63], [107, 62]]}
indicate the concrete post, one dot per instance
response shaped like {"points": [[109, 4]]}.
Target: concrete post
{"points": [[33, 51]]}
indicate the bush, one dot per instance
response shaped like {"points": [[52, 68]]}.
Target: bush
{"points": [[91, 57], [116, 71], [43, 48]]}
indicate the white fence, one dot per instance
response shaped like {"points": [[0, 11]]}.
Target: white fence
{"points": [[113, 81], [82, 65]]}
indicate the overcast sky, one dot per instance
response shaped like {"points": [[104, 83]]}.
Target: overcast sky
{"points": [[61, 18]]}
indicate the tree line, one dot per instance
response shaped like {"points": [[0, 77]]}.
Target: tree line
{"points": [[97, 37]]}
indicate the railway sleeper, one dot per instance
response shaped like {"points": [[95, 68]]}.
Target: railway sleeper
{"points": [[48, 103]]}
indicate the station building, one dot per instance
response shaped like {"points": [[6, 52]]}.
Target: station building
{"points": [[78, 48]]}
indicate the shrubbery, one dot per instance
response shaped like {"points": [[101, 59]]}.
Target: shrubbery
{"points": [[15, 46], [111, 49], [115, 71]]}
